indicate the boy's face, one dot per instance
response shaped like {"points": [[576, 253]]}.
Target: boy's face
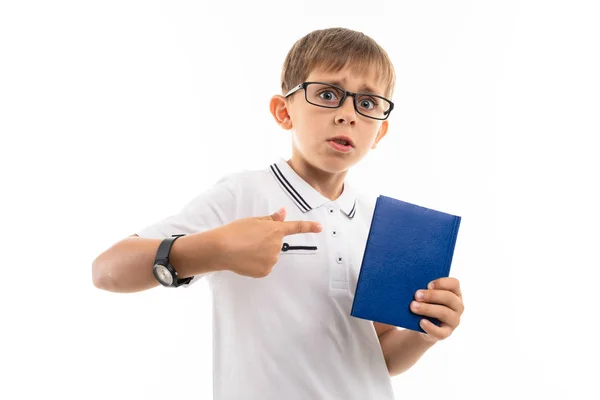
{"points": [[314, 128]]}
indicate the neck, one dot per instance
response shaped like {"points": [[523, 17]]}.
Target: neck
{"points": [[330, 185]]}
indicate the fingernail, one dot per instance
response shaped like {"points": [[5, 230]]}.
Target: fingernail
{"points": [[415, 304], [419, 295], [430, 286]]}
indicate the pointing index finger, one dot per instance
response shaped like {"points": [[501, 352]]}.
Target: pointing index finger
{"points": [[295, 227]]}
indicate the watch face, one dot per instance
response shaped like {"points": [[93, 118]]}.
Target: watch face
{"points": [[163, 275]]}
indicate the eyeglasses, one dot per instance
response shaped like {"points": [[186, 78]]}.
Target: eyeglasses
{"points": [[331, 96]]}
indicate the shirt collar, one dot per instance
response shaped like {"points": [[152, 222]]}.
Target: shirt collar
{"points": [[305, 196]]}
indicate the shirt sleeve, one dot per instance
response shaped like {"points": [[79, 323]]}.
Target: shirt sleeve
{"points": [[209, 210]]}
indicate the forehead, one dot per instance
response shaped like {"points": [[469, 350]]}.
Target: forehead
{"points": [[352, 79]]}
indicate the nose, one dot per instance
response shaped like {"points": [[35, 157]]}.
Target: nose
{"points": [[346, 114]]}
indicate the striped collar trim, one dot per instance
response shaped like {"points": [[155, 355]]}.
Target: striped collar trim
{"points": [[305, 196]]}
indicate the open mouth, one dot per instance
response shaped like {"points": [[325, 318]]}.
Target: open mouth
{"points": [[342, 142], [341, 145]]}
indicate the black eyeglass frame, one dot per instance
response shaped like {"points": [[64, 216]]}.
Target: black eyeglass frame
{"points": [[346, 93]]}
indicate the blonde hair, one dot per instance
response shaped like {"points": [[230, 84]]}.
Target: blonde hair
{"points": [[332, 49]]}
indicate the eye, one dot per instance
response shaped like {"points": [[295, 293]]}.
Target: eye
{"points": [[367, 103], [328, 95]]}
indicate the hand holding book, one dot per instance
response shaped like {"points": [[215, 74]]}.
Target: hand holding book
{"points": [[441, 300]]}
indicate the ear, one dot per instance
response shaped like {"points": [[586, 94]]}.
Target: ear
{"points": [[382, 132], [279, 110]]}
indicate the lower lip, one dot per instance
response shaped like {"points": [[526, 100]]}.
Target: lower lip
{"points": [[340, 147]]}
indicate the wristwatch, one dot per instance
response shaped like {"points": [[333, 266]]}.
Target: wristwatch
{"points": [[163, 271]]}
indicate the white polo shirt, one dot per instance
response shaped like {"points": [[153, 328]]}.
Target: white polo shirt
{"points": [[289, 335]]}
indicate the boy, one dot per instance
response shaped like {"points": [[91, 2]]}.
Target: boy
{"points": [[283, 284]]}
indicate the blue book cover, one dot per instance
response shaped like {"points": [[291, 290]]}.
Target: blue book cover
{"points": [[408, 246]]}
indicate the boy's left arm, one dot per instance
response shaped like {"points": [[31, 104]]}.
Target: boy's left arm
{"points": [[402, 348]]}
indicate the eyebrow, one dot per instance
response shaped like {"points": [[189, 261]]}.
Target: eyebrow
{"points": [[341, 83]]}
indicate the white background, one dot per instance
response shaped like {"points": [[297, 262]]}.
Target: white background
{"points": [[114, 114]]}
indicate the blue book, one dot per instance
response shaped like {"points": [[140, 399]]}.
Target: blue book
{"points": [[408, 246]]}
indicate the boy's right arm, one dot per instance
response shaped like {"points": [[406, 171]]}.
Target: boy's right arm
{"points": [[126, 267], [248, 247]]}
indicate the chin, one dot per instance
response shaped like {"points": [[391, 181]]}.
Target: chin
{"points": [[332, 164]]}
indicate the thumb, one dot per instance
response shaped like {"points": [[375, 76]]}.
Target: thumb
{"points": [[276, 216]]}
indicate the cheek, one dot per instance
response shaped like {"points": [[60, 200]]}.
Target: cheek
{"points": [[367, 140], [310, 125]]}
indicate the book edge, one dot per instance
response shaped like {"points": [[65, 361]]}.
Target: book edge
{"points": [[360, 272], [452, 244]]}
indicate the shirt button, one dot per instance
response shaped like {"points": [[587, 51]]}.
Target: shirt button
{"points": [[331, 211], [334, 233], [339, 260]]}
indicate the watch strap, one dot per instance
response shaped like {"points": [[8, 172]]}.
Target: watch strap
{"points": [[179, 282], [164, 249]]}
